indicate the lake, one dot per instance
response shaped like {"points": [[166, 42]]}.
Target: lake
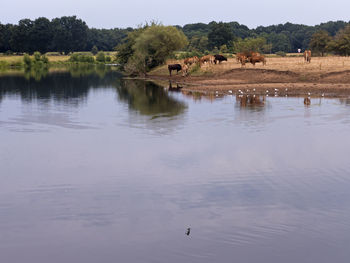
{"points": [[96, 168]]}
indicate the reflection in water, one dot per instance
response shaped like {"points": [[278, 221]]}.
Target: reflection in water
{"points": [[173, 88], [251, 101], [307, 101], [149, 99], [68, 86]]}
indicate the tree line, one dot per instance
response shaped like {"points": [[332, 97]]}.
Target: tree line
{"points": [[65, 34], [69, 34]]}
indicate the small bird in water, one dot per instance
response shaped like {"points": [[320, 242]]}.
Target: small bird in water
{"points": [[188, 231]]}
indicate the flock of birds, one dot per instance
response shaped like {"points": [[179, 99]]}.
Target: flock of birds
{"points": [[307, 99]]}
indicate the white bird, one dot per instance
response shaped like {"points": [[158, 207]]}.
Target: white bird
{"points": [[216, 92], [230, 91], [253, 89], [286, 89], [322, 94], [309, 93], [276, 90], [267, 91]]}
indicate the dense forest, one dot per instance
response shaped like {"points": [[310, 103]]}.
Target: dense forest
{"points": [[69, 34]]}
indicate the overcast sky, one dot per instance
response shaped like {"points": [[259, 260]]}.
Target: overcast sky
{"points": [[125, 13]]}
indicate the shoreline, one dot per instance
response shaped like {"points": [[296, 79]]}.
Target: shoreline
{"points": [[263, 82]]}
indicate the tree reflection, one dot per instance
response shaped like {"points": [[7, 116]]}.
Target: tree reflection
{"points": [[149, 99], [68, 86]]}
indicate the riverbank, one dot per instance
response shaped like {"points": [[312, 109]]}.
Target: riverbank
{"points": [[328, 76]]}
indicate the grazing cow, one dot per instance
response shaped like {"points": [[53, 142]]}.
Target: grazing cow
{"points": [[307, 56], [208, 58], [242, 58], [257, 58], [219, 58], [176, 67], [184, 70], [190, 61]]}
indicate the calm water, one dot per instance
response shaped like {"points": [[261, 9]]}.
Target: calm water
{"points": [[99, 169]]}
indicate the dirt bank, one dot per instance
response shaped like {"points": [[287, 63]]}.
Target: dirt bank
{"points": [[297, 81]]}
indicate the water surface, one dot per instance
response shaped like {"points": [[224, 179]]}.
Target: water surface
{"points": [[99, 169]]}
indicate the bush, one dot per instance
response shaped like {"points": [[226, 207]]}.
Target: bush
{"points": [[108, 59], [281, 53], [27, 61], [101, 57], [81, 58], [37, 56], [94, 50]]}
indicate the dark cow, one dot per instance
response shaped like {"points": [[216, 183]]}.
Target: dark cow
{"points": [[176, 67], [219, 58]]}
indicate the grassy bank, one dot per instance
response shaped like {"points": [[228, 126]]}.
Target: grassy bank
{"points": [[16, 61]]}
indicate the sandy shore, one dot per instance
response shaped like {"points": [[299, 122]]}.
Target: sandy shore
{"points": [[286, 76]]}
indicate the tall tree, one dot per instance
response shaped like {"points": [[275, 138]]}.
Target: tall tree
{"points": [[70, 34], [151, 46], [220, 34], [341, 44], [41, 35], [320, 41]]}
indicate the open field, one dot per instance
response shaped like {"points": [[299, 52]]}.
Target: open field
{"points": [[329, 75], [54, 57]]}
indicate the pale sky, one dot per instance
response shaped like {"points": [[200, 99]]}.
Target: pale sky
{"points": [[124, 13]]}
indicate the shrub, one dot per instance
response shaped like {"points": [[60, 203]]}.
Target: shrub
{"points": [[81, 58], [101, 57], [281, 53], [27, 61], [94, 50], [37, 56]]}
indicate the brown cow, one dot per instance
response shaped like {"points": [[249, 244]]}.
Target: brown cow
{"points": [[190, 61], [184, 70], [257, 58], [307, 56], [241, 58], [207, 58]]}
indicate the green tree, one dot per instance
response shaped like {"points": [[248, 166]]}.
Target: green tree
{"points": [[101, 57], [320, 41], [70, 34], [250, 44], [152, 46], [341, 43], [220, 34], [41, 35], [94, 50]]}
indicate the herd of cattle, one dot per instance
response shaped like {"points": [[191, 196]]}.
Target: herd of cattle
{"points": [[242, 58]]}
